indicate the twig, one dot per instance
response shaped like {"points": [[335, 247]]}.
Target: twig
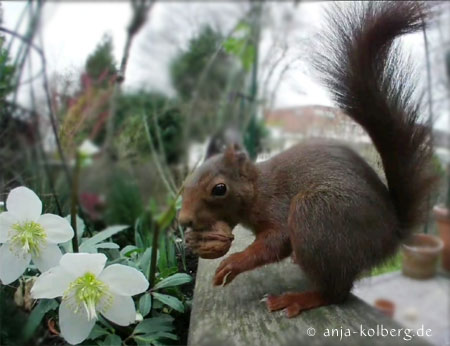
{"points": [[35, 19], [41, 146], [162, 149], [201, 80], [52, 117], [74, 202], [140, 12]]}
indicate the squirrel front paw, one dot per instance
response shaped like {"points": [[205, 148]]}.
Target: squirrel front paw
{"points": [[228, 269]]}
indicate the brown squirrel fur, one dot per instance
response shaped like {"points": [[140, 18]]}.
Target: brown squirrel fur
{"points": [[320, 199]]}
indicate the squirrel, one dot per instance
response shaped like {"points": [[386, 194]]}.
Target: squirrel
{"points": [[319, 200]]}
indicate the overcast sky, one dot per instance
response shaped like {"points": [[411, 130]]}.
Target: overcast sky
{"points": [[71, 30]]}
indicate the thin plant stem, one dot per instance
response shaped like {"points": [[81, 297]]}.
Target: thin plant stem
{"points": [[162, 151], [74, 202], [156, 159], [155, 243]]}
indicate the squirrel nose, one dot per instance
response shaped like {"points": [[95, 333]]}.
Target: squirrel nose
{"points": [[185, 221]]}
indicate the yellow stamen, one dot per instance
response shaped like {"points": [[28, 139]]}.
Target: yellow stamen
{"points": [[89, 293], [30, 236]]}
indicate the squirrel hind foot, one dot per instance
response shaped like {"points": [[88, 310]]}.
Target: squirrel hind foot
{"points": [[294, 303]]}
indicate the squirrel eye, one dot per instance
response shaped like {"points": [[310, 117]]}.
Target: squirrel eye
{"points": [[219, 190]]}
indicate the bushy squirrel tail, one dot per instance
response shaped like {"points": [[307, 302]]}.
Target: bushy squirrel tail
{"points": [[362, 66]]}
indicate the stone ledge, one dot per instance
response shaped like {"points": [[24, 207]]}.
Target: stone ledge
{"points": [[235, 314]]}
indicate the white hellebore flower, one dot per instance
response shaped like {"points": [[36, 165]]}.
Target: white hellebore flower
{"points": [[26, 235], [86, 151], [87, 148], [87, 288]]}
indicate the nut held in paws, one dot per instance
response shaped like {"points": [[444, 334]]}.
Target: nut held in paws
{"points": [[210, 244]]}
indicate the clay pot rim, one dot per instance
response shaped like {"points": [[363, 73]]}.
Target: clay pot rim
{"points": [[384, 303], [441, 213], [439, 244]]}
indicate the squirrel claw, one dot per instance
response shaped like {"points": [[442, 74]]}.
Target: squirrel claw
{"points": [[223, 277], [226, 271], [294, 303]]}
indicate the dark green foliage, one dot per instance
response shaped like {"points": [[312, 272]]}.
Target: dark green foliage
{"points": [[206, 77], [16, 130], [158, 110], [124, 204], [6, 76], [187, 68], [101, 64], [12, 319]]}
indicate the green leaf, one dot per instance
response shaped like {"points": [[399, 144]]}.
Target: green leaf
{"points": [[97, 332], [138, 239], [155, 324], [151, 338], [89, 248], [112, 340], [248, 56], [166, 335], [241, 49], [178, 203], [145, 304], [67, 246], [242, 26], [162, 260], [144, 261], [171, 301], [142, 231], [165, 219], [165, 273], [128, 250], [174, 280], [36, 316], [141, 343], [107, 245], [80, 226], [171, 254], [103, 235]]}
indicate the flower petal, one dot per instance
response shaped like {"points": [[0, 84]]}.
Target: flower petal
{"points": [[6, 221], [122, 310], [58, 229], [81, 263], [12, 263], [75, 327], [51, 284], [49, 257], [124, 280], [24, 204], [88, 148]]}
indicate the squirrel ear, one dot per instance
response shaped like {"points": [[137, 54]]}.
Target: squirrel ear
{"points": [[239, 162], [234, 154], [222, 140], [230, 154]]}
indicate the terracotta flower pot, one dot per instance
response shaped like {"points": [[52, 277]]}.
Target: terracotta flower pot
{"points": [[442, 216], [387, 307], [420, 255]]}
